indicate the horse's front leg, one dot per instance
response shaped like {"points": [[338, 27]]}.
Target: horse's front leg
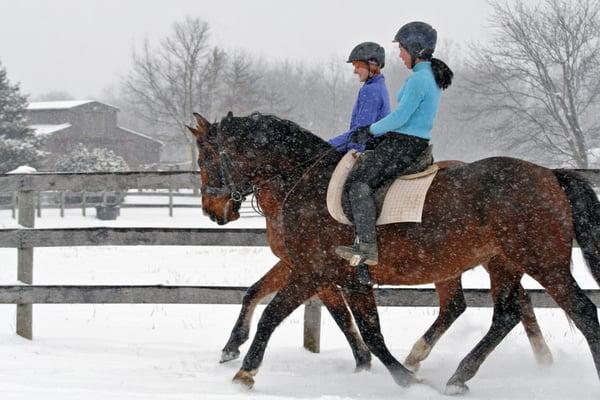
{"points": [[333, 300], [271, 282], [297, 290], [452, 305], [365, 313]]}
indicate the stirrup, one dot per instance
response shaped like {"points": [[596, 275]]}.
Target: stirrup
{"points": [[357, 255]]}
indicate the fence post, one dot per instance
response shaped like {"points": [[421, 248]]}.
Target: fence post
{"points": [[170, 199], [83, 203], [312, 325], [26, 199], [13, 206], [62, 203], [39, 204]]}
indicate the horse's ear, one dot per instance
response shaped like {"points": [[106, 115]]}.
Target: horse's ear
{"points": [[229, 115], [203, 124], [195, 132]]}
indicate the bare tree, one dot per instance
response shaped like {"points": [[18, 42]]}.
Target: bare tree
{"points": [[170, 81], [333, 77], [536, 83], [241, 85]]}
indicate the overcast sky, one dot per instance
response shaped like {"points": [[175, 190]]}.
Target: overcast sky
{"points": [[82, 46]]}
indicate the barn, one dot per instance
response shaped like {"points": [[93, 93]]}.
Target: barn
{"points": [[64, 124]]}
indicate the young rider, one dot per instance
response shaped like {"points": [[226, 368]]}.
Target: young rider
{"points": [[373, 100]]}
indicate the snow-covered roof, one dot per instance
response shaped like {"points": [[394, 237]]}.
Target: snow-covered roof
{"points": [[140, 135], [42, 130], [62, 105], [23, 169]]}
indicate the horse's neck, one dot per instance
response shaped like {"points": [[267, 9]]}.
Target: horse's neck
{"points": [[313, 177], [270, 198]]}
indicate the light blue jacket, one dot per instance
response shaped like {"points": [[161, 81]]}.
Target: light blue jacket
{"points": [[418, 102], [372, 104]]}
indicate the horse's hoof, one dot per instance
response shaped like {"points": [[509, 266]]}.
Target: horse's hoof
{"points": [[419, 352], [244, 379], [544, 357], [365, 366], [405, 378], [456, 388], [229, 355]]}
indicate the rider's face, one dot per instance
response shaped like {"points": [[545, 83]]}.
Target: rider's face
{"points": [[361, 70], [405, 56]]}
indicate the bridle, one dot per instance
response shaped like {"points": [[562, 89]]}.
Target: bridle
{"points": [[237, 193]]}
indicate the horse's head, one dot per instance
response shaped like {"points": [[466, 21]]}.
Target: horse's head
{"points": [[221, 185], [240, 154]]}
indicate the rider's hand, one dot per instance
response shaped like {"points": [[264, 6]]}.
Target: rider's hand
{"points": [[360, 135]]}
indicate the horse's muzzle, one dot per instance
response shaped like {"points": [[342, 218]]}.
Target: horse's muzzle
{"points": [[219, 221]]}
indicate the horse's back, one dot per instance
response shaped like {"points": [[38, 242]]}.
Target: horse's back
{"points": [[502, 194]]}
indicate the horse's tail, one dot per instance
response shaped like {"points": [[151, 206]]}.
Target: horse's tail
{"points": [[586, 216]]}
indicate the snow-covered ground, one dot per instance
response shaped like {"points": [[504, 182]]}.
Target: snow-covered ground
{"points": [[172, 351]]}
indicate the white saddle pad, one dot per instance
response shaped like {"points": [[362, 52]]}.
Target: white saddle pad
{"points": [[403, 201]]}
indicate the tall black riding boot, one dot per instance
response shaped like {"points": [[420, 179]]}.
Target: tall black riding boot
{"points": [[364, 213]]}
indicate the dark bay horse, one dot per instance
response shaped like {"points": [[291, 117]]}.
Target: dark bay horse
{"points": [[509, 215]]}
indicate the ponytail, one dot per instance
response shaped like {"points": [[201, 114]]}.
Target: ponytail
{"points": [[442, 73]]}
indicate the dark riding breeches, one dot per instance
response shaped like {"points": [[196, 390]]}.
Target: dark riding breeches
{"points": [[392, 154]]}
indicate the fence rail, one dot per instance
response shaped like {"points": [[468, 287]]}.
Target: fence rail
{"points": [[27, 238], [167, 294], [62, 237]]}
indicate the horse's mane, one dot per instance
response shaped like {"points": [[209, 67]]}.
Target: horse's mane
{"points": [[280, 135]]}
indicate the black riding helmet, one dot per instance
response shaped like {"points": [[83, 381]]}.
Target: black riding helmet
{"points": [[368, 51], [418, 38]]}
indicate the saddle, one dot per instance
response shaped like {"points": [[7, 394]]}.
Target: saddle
{"points": [[399, 199]]}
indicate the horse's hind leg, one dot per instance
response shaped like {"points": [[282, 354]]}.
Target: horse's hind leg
{"points": [[505, 292], [271, 282], [452, 305], [542, 353], [568, 295], [336, 305]]}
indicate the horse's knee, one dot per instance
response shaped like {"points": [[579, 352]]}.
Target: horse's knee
{"points": [[251, 295], [456, 307], [507, 312]]}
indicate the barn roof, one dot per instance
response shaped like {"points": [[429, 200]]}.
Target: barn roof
{"points": [[62, 105], [47, 129], [132, 132]]}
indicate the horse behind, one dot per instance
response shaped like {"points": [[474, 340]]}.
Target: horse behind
{"points": [[511, 216]]}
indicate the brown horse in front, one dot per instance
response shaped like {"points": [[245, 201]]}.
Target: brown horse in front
{"points": [[509, 215]]}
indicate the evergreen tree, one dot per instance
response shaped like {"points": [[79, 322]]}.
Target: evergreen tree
{"points": [[18, 144], [80, 159]]}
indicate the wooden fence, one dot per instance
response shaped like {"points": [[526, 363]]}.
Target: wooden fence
{"points": [[26, 238], [63, 200]]}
